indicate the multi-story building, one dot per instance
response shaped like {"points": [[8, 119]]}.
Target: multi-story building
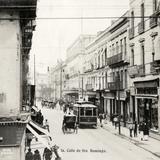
{"points": [[117, 76], [95, 70], [57, 81], [16, 27], [144, 69], [73, 70], [43, 90], [106, 57]]}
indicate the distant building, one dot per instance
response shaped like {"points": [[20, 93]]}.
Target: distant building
{"points": [[73, 70]]}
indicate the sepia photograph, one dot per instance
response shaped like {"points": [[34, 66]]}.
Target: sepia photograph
{"points": [[79, 79]]}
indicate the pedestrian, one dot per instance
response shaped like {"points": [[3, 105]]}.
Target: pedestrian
{"points": [[46, 124], [130, 129], [115, 121], [135, 128], [145, 132], [101, 119], [29, 155], [36, 155], [141, 128], [47, 154]]}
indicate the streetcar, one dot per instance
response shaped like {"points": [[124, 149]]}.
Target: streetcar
{"points": [[86, 113]]}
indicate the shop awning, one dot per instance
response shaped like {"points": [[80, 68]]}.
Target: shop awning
{"points": [[42, 130], [147, 84], [40, 138], [147, 96]]}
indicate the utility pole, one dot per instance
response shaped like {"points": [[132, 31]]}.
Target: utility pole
{"points": [[119, 104], [82, 86], [35, 80], [60, 80]]}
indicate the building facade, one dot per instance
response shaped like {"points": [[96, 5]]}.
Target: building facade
{"points": [[144, 69], [73, 70], [16, 29]]}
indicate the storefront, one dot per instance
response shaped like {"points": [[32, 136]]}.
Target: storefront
{"points": [[148, 111], [146, 103]]}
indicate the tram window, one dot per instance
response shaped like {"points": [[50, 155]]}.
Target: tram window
{"points": [[82, 111], [88, 112], [94, 112]]}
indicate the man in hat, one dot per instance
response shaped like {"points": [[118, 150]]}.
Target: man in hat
{"points": [[29, 155]]}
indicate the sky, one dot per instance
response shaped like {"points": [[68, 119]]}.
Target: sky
{"points": [[53, 35]]}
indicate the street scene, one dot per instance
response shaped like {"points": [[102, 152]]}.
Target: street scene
{"points": [[79, 80]]}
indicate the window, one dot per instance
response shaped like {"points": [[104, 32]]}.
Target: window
{"points": [[142, 54], [105, 56], [98, 61], [102, 60], [113, 76], [106, 78], [125, 75], [154, 5], [82, 111], [142, 12], [121, 76], [132, 57], [125, 46], [112, 49], [132, 19], [121, 46], [117, 48], [94, 111]]}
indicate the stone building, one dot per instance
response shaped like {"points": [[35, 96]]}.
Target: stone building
{"points": [[17, 22], [144, 69]]}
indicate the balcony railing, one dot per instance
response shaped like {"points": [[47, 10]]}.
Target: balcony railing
{"points": [[141, 27], [136, 71], [114, 59], [131, 33], [114, 86], [155, 67], [89, 87], [153, 20]]}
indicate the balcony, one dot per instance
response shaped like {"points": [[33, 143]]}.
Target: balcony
{"points": [[115, 59], [89, 87], [155, 67], [136, 71], [141, 69], [153, 20], [141, 27], [114, 86], [131, 33]]}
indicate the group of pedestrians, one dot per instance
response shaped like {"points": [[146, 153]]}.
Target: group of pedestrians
{"points": [[143, 130], [134, 128], [47, 154]]}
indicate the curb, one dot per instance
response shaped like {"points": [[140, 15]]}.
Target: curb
{"points": [[135, 142]]}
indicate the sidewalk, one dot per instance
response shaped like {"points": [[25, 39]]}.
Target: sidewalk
{"points": [[152, 145]]}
